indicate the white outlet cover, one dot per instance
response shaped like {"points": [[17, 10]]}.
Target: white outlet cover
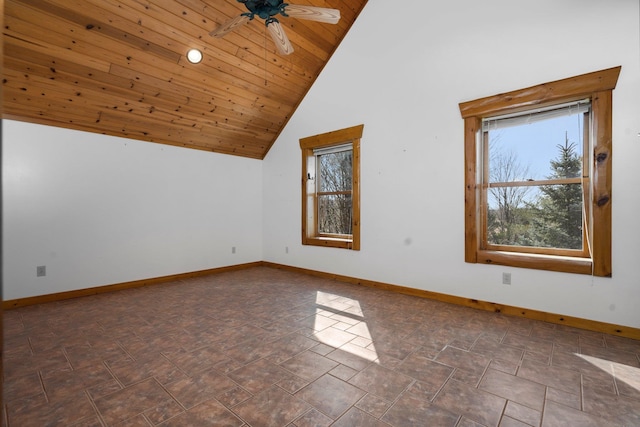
{"points": [[506, 278]]}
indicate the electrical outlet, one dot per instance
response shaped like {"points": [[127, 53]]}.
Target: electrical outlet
{"points": [[41, 271], [233, 249], [506, 278]]}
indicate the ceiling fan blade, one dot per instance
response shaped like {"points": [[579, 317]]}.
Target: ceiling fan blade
{"points": [[280, 38], [313, 13], [230, 25]]}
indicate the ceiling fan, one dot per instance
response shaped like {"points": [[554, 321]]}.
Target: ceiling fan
{"points": [[268, 9]]}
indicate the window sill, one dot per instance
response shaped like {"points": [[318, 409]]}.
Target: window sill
{"points": [[329, 242], [563, 264]]}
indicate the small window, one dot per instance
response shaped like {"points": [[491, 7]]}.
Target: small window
{"points": [[331, 189], [538, 176]]}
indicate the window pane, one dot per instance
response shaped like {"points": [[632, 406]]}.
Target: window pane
{"points": [[535, 151], [548, 216], [334, 214], [335, 171]]}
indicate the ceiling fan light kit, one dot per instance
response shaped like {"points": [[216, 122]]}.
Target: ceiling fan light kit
{"points": [[268, 9]]}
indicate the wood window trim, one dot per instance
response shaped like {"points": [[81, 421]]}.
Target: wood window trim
{"points": [[309, 224], [597, 86]]}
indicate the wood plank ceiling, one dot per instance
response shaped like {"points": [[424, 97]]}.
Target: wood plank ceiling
{"points": [[118, 67]]}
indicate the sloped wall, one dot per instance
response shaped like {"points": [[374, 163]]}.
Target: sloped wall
{"points": [[402, 72]]}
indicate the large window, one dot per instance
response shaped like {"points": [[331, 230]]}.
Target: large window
{"points": [[534, 180], [331, 189], [538, 176]]}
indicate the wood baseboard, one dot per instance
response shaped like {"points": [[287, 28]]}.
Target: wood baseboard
{"points": [[575, 322], [22, 302]]}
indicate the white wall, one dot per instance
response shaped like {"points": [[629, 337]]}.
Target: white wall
{"points": [[98, 210], [402, 72]]}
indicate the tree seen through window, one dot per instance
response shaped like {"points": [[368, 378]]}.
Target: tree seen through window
{"points": [[335, 179]]}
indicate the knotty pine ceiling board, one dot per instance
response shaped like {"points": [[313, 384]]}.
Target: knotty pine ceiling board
{"points": [[118, 67]]}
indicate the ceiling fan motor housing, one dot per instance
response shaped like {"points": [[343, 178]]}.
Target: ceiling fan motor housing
{"points": [[265, 9]]}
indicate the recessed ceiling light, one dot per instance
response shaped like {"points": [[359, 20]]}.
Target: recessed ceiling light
{"points": [[194, 56]]}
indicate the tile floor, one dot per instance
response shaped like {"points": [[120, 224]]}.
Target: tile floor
{"points": [[264, 347]]}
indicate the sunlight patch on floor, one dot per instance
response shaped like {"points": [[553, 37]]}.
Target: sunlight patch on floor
{"points": [[350, 329], [630, 375]]}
